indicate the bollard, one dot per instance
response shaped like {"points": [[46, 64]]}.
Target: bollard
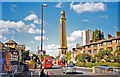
{"points": [[93, 69]]}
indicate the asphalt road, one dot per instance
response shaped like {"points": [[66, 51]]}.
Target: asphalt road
{"points": [[56, 71]]}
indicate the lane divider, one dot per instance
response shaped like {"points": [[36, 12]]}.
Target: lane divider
{"points": [[49, 74]]}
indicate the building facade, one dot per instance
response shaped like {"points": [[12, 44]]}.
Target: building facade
{"points": [[86, 36], [111, 43]]}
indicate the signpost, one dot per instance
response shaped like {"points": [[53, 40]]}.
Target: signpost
{"points": [[84, 60]]}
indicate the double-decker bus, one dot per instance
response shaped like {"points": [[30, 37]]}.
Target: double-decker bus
{"points": [[47, 62]]}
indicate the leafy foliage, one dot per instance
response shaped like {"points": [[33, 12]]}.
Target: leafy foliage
{"points": [[81, 57], [97, 34], [68, 56], [24, 56]]}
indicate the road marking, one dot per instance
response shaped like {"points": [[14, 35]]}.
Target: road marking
{"points": [[49, 74]]}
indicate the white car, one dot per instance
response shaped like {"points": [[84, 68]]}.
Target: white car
{"points": [[69, 69]]}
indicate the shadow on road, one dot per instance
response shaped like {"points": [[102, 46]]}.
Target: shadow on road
{"points": [[76, 73], [54, 68]]}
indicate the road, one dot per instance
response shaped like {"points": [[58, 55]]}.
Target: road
{"points": [[56, 71]]}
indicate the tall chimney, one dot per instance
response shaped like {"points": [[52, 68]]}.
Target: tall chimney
{"points": [[117, 34], [108, 36]]}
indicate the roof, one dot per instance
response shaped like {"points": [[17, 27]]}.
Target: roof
{"points": [[101, 41], [11, 41], [1, 43]]}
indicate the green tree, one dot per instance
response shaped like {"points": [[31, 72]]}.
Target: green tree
{"points": [[81, 57], [97, 34], [102, 35], [24, 56], [68, 56], [106, 54], [93, 36]]}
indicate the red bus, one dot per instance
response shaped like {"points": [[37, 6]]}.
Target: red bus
{"points": [[47, 62], [61, 62]]}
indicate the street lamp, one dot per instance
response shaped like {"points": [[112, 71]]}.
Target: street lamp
{"points": [[42, 72], [42, 26]]}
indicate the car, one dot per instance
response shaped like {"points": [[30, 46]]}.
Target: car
{"points": [[105, 67], [69, 69]]}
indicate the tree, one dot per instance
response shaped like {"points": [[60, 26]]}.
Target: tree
{"points": [[97, 34], [117, 55], [35, 57], [106, 54], [81, 57], [102, 35], [93, 36], [68, 56], [24, 56]]}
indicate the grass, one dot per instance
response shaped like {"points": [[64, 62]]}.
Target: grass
{"points": [[97, 64]]}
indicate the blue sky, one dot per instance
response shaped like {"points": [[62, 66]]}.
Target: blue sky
{"points": [[21, 22]]}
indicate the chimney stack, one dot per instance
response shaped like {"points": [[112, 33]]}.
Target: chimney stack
{"points": [[108, 36], [117, 34]]}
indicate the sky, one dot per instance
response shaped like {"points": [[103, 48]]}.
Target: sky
{"points": [[21, 21]]}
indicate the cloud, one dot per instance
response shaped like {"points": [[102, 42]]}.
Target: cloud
{"points": [[31, 17], [70, 46], [4, 38], [34, 31], [32, 42], [19, 26], [38, 38], [85, 20], [7, 31], [103, 16], [51, 49], [59, 5], [13, 7], [115, 27], [28, 48], [74, 35], [90, 7]]}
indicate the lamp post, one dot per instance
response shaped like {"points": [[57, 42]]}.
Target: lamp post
{"points": [[42, 27], [42, 72]]}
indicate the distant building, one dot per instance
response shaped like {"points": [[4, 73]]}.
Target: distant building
{"points": [[41, 52], [86, 36], [1, 45], [21, 48], [11, 44], [5, 64], [111, 43]]}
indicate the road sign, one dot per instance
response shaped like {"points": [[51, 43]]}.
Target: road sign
{"points": [[85, 57]]}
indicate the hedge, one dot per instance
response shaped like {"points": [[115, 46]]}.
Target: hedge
{"points": [[97, 64]]}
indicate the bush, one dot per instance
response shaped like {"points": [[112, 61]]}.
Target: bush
{"points": [[97, 64]]}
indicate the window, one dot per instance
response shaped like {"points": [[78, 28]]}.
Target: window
{"points": [[118, 47], [89, 46], [62, 52], [101, 49], [89, 51], [109, 42], [95, 45], [118, 41], [47, 58], [110, 48], [101, 44], [95, 51], [83, 47]]}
